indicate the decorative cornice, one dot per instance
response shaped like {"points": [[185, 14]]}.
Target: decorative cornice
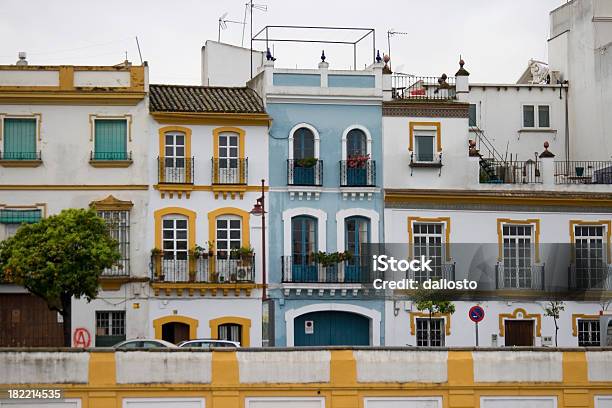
{"points": [[111, 203], [437, 109]]}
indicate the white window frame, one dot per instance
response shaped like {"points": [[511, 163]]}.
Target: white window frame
{"points": [[36, 116], [174, 218], [249, 400], [128, 129], [5, 231], [401, 401], [477, 118], [442, 322], [317, 139], [345, 140], [532, 252], [110, 322], [428, 236], [229, 218], [433, 134], [536, 116], [201, 401]]}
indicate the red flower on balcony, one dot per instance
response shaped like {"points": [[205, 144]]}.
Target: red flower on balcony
{"points": [[357, 162]]}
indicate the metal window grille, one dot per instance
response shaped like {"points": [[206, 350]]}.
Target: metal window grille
{"points": [[430, 332], [588, 332], [118, 223], [428, 242], [590, 256], [110, 323], [517, 255]]}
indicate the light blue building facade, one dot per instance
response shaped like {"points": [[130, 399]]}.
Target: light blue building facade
{"points": [[325, 204]]}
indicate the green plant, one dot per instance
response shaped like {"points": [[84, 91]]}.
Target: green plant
{"points": [[242, 252], [307, 162], [553, 309], [58, 258], [198, 252], [331, 258], [435, 302]]}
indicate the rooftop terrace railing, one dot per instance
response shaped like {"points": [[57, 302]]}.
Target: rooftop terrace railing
{"points": [[423, 87]]}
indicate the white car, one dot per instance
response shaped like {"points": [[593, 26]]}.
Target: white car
{"points": [[208, 343], [143, 344]]}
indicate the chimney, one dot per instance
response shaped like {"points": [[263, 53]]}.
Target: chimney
{"points": [[462, 82], [22, 59]]}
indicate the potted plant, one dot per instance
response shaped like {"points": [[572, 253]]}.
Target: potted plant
{"points": [[211, 248], [307, 162], [156, 257], [244, 254], [358, 161], [221, 278], [579, 171], [233, 277]]}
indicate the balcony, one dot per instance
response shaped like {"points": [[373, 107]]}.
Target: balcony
{"points": [[442, 271], [305, 269], [203, 273], [595, 277], [110, 159], [175, 170], [230, 171], [20, 159], [357, 173], [529, 277], [583, 172], [509, 172], [423, 87], [305, 172]]}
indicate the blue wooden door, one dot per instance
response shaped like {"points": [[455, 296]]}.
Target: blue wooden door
{"points": [[357, 238], [303, 245], [332, 328], [303, 148]]}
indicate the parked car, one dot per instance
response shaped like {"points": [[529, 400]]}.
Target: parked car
{"points": [[208, 343], [143, 343]]}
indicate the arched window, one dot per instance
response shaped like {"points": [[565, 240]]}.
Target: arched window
{"points": [[230, 331], [356, 143], [303, 144], [303, 245]]}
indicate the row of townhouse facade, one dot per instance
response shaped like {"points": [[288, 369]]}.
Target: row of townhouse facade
{"points": [[490, 181]]}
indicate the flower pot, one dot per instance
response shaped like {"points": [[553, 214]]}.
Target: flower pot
{"points": [[579, 171]]}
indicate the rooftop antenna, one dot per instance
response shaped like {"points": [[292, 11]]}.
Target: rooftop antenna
{"points": [[390, 34], [251, 6], [223, 24], [139, 53]]}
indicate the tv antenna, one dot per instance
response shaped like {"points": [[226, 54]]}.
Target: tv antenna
{"points": [[250, 6], [223, 24], [390, 34]]}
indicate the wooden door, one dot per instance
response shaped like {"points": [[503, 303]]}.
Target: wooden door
{"points": [[519, 333]]}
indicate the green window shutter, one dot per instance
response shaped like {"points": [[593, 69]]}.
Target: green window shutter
{"points": [[8, 216], [19, 139], [110, 139]]}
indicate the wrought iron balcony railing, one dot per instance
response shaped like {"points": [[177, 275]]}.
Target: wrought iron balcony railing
{"points": [[519, 277], [202, 269], [357, 173], [305, 269], [596, 276], [441, 271], [175, 170], [305, 172], [583, 172], [20, 155], [109, 156], [509, 172], [230, 171], [423, 87]]}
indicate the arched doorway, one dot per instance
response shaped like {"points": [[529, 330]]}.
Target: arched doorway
{"points": [[175, 332], [331, 328]]}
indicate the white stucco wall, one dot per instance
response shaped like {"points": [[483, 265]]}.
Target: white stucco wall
{"points": [[142, 367], [44, 368], [284, 367]]}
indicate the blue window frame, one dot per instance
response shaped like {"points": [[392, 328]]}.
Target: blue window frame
{"points": [[303, 245], [357, 238]]}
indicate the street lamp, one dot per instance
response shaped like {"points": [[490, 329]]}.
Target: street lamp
{"points": [[260, 210]]}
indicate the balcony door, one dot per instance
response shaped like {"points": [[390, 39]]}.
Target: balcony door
{"points": [[303, 155], [357, 238], [590, 255], [356, 147], [517, 256], [303, 245], [229, 168], [228, 238], [175, 237], [429, 242], [174, 160]]}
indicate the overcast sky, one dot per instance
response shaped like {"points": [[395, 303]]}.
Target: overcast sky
{"points": [[495, 37]]}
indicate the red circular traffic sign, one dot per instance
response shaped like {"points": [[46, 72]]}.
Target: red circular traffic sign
{"points": [[476, 314]]}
